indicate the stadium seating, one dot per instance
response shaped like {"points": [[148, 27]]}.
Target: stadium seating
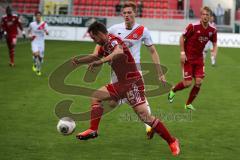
{"points": [[151, 8], [26, 6]]}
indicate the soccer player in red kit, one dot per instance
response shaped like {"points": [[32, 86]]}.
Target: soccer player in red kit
{"points": [[192, 44], [10, 24], [129, 85]]}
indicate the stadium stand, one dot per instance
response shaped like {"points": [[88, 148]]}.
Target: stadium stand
{"points": [[151, 9], [161, 9], [26, 6]]}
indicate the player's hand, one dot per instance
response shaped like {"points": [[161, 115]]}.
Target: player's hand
{"points": [[32, 38], [24, 34], [75, 61], [183, 57], [94, 64]]}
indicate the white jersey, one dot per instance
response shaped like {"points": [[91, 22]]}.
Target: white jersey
{"points": [[38, 31], [133, 38]]}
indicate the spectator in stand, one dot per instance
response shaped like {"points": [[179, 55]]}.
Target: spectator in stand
{"points": [[180, 5], [118, 8], [219, 12], [140, 8], [191, 13]]}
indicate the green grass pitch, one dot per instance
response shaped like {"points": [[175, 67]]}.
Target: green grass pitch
{"points": [[28, 122]]}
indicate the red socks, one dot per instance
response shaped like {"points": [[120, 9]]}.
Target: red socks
{"points": [[193, 94], [178, 87], [162, 131], [96, 114]]}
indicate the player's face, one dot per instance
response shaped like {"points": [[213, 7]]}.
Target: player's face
{"points": [[38, 17], [128, 15], [99, 38], [205, 16]]}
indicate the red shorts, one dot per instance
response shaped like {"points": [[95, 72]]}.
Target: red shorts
{"points": [[133, 92], [11, 39], [193, 69]]}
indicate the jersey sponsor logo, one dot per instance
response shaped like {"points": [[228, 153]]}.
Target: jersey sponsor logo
{"points": [[136, 34], [203, 39], [198, 31]]}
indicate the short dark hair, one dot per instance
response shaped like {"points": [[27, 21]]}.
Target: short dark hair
{"points": [[130, 4], [8, 9], [96, 27], [38, 12]]}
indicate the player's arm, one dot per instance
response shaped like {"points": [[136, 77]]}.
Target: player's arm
{"points": [[46, 29], [214, 42], [182, 51], [96, 49], [117, 51], [156, 61], [215, 49], [189, 31], [19, 24], [29, 33], [86, 59]]}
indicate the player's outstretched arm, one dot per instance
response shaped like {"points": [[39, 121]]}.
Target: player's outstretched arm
{"points": [[215, 49], [118, 50], [86, 59], [182, 53], [156, 60]]}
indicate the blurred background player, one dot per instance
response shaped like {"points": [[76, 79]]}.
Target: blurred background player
{"points": [[192, 43], [209, 45], [133, 35], [37, 31], [10, 24], [130, 84]]}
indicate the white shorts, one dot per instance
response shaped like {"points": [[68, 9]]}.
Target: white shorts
{"points": [[38, 47]]}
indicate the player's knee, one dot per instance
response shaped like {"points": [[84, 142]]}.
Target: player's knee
{"points": [[198, 82], [187, 83], [95, 98], [112, 103]]}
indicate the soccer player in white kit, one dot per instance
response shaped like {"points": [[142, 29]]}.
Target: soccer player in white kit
{"points": [[37, 31], [134, 35], [209, 45]]}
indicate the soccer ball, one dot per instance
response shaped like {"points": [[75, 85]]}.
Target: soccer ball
{"points": [[66, 125]]}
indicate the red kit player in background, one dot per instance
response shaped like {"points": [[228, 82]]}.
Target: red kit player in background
{"points": [[192, 44], [10, 24]]}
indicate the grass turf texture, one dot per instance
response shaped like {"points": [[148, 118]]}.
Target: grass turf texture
{"points": [[28, 122]]}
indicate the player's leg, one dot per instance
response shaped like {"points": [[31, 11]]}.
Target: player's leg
{"points": [[185, 83], [11, 43], [35, 54], [98, 96], [149, 129], [40, 59], [158, 127], [213, 58], [199, 75]]}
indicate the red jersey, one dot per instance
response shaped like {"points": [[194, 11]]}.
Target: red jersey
{"points": [[196, 37], [123, 65], [10, 24]]}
